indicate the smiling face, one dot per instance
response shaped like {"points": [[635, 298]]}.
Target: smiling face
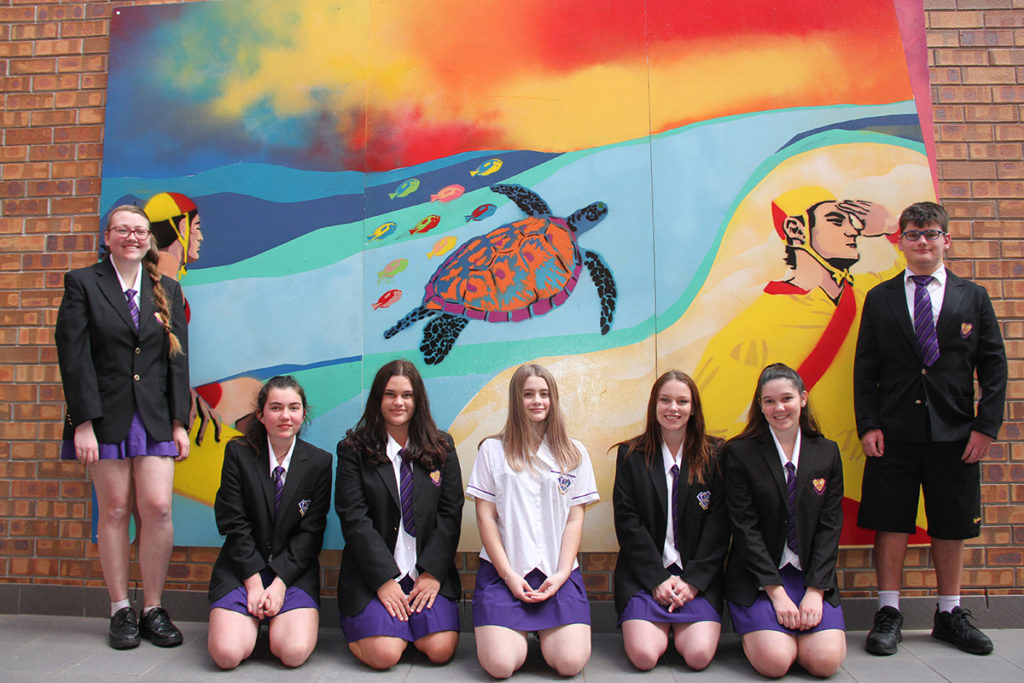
{"points": [[130, 246], [282, 414], [923, 256], [536, 399], [781, 404], [397, 406], [675, 403]]}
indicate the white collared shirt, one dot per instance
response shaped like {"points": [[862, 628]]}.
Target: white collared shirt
{"points": [[788, 556], [405, 545], [533, 505], [936, 291], [285, 462], [137, 285], [669, 553]]}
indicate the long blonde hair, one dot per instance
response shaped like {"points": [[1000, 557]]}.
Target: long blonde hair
{"points": [[151, 262], [520, 440]]}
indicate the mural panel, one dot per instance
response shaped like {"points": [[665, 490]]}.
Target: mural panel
{"points": [[611, 189]]}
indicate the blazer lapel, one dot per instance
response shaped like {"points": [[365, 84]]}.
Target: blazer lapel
{"points": [[386, 472], [261, 461], [110, 287], [656, 472], [896, 296], [770, 454], [950, 306], [146, 307], [296, 471]]}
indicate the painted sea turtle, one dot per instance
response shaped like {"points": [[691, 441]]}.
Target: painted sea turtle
{"points": [[522, 269]]}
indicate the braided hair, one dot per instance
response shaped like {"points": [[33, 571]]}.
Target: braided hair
{"points": [[151, 262]]}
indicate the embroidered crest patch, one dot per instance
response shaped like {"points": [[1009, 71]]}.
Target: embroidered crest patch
{"points": [[564, 482], [435, 477], [966, 329], [303, 507], [704, 499], [819, 485]]}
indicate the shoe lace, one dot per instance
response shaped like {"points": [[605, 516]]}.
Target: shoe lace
{"points": [[961, 620], [886, 623]]}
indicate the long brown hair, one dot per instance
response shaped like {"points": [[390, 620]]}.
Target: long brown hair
{"points": [[698, 447], [520, 440], [151, 262], [757, 424], [426, 442], [255, 435]]}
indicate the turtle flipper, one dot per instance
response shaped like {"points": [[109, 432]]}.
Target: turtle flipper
{"points": [[418, 313], [587, 217], [439, 337], [602, 277], [527, 200]]}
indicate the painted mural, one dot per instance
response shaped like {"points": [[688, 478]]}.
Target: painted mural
{"points": [[611, 189]]}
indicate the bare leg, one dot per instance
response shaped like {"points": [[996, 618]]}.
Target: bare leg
{"points": [[112, 479], [439, 647], [948, 557], [566, 648], [771, 653], [379, 652], [501, 651], [232, 637], [293, 635], [645, 642], [154, 482], [822, 653], [890, 550], [697, 642]]}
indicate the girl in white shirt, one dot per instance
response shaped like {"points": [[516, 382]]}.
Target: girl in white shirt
{"points": [[531, 483]]}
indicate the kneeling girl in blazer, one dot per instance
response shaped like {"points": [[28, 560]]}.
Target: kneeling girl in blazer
{"points": [[784, 491], [272, 504]]}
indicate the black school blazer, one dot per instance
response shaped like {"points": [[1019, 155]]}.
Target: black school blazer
{"points": [[639, 501], [755, 484], [367, 501], [290, 542], [108, 368]]}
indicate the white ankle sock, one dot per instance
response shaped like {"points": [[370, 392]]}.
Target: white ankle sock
{"points": [[889, 599], [948, 602], [116, 607]]}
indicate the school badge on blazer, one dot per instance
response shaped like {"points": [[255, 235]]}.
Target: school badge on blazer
{"points": [[435, 477], [819, 485], [966, 329], [704, 499], [303, 507]]}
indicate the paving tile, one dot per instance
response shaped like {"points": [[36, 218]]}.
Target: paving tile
{"points": [[30, 657]]}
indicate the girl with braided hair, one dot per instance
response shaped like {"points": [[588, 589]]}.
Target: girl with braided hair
{"points": [[122, 348]]}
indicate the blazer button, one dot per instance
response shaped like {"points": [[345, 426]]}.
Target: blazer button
{"points": [[924, 371], [137, 378], [138, 350], [917, 401]]}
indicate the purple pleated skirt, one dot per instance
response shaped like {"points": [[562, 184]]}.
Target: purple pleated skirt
{"points": [[375, 620], [237, 600], [138, 442], [760, 616], [494, 604], [643, 606]]}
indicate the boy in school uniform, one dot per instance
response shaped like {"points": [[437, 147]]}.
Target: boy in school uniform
{"points": [[923, 336]]}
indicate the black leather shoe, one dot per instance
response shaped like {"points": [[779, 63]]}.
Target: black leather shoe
{"points": [[124, 629], [157, 628], [885, 636], [955, 627]]}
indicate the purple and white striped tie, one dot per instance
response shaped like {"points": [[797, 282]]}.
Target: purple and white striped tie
{"points": [[791, 504], [924, 322], [405, 474], [278, 487], [133, 308]]}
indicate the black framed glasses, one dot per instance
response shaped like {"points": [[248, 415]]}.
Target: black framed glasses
{"points": [[915, 235]]}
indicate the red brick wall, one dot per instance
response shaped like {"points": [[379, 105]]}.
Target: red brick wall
{"points": [[53, 73]]}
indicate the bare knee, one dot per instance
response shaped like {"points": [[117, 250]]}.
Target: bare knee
{"points": [[570, 663], [228, 656], [698, 658], [290, 652], [155, 511], [644, 655], [378, 652], [500, 664], [771, 665], [821, 663], [439, 647]]}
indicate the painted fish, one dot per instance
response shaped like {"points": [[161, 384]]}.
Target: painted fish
{"points": [[442, 246], [487, 168], [387, 298], [382, 231], [481, 212], [426, 225], [406, 188], [448, 193], [392, 269]]}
